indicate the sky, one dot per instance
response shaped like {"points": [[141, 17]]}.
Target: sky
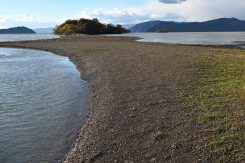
{"points": [[49, 13]]}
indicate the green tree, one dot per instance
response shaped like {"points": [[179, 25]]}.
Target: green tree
{"points": [[87, 26]]}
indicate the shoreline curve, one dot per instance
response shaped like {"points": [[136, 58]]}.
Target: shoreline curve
{"points": [[135, 111]]}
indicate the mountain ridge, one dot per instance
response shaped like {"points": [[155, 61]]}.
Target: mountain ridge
{"points": [[215, 25], [17, 30]]}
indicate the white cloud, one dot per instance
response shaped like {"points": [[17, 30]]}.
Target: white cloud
{"points": [[210, 9], [21, 18], [31, 21], [189, 10], [168, 10], [151, 11]]}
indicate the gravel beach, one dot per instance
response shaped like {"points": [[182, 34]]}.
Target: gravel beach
{"points": [[138, 113]]}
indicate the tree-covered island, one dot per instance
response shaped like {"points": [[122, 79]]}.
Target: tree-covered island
{"points": [[87, 26]]}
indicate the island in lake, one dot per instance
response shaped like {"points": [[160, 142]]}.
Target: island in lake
{"points": [[89, 27], [17, 30]]}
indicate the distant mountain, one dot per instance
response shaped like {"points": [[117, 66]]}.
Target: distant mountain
{"points": [[17, 30], [128, 26], [44, 30], [217, 25]]}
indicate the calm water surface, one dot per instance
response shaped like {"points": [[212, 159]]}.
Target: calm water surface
{"points": [[203, 38], [43, 103], [25, 37]]}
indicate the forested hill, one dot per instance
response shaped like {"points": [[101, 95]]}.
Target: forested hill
{"points": [[17, 30], [90, 27], [217, 25]]}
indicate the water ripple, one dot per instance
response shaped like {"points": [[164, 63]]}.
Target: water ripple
{"points": [[40, 105]]}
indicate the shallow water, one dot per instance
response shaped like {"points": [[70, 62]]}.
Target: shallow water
{"points": [[43, 103], [25, 37], [203, 38]]}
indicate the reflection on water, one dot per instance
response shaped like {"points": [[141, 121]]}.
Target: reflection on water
{"points": [[43, 103]]}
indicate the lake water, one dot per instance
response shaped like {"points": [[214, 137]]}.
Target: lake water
{"points": [[43, 104], [203, 38], [25, 37]]}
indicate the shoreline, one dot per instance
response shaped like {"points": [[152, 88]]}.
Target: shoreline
{"points": [[147, 127]]}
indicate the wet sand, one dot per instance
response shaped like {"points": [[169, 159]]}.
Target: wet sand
{"points": [[137, 110]]}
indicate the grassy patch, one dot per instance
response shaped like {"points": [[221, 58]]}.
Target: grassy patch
{"points": [[220, 97]]}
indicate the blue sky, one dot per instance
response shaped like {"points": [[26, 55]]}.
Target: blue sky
{"points": [[45, 13], [48, 13]]}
